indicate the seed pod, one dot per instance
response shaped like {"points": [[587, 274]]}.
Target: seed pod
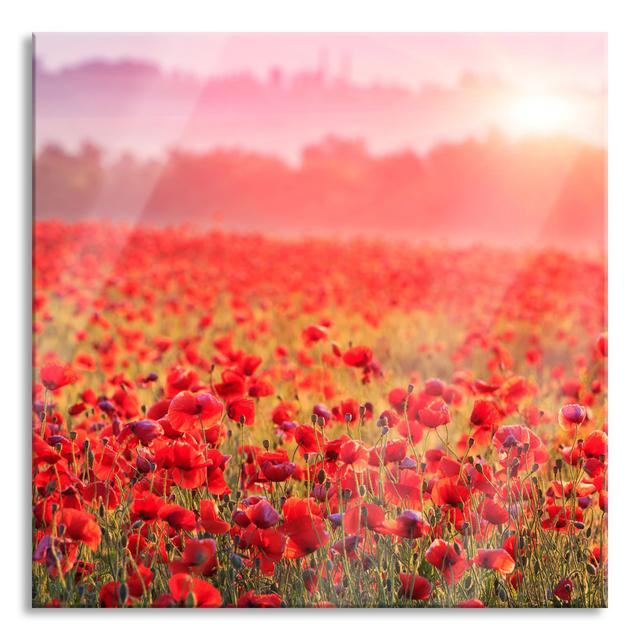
{"points": [[191, 601], [265, 444], [123, 592]]}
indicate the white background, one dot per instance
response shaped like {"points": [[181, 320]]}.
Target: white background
{"points": [[617, 18]]}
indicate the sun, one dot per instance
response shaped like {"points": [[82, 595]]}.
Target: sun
{"points": [[538, 113]]}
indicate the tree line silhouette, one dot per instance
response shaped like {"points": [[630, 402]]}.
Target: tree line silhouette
{"points": [[497, 190]]}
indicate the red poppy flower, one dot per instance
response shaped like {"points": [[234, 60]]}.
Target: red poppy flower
{"points": [[473, 603], [414, 587], [146, 506], [560, 518], [564, 589], [241, 408], [189, 411], [139, 579], [595, 444], [198, 557], [496, 559], [252, 600], [179, 380], [262, 514], [141, 431], [193, 592], [358, 356], [493, 512], [435, 414], [367, 515], [80, 526], [304, 526], [178, 517], [189, 468], [407, 525], [313, 333], [275, 465], [55, 375], [448, 558], [571, 416], [210, 521], [310, 440], [449, 491], [354, 454], [232, 385]]}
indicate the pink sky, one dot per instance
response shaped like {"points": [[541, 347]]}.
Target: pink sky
{"points": [[538, 61]]}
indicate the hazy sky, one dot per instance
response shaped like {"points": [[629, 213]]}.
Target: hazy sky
{"points": [[533, 60]]}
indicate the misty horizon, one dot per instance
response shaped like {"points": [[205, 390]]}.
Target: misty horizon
{"points": [[135, 106]]}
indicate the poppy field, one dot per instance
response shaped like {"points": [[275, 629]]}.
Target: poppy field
{"points": [[237, 420]]}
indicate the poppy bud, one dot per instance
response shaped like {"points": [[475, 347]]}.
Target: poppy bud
{"points": [[347, 417], [123, 592], [191, 600], [265, 444], [362, 410], [471, 442], [361, 491], [236, 560], [322, 476], [591, 570], [314, 418], [321, 422], [410, 388]]}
